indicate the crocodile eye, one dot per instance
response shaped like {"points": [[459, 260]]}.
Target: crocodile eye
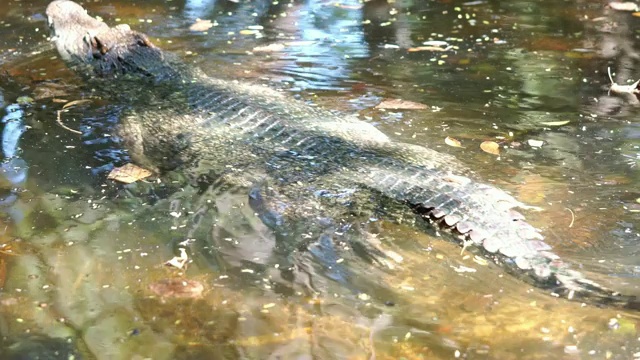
{"points": [[143, 41], [99, 45]]}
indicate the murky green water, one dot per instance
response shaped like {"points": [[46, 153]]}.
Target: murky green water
{"points": [[82, 258]]}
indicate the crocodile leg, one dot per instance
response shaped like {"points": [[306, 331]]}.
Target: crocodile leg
{"points": [[318, 229]]}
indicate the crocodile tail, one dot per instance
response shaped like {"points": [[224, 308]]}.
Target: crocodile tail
{"points": [[483, 217], [572, 284]]}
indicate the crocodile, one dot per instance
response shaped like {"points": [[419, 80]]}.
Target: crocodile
{"points": [[214, 129]]}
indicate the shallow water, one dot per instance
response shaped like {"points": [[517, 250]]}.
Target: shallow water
{"points": [[82, 257]]}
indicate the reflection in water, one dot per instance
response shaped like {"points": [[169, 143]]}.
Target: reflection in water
{"points": [[198, 9], [13, 169], [331, 36]]}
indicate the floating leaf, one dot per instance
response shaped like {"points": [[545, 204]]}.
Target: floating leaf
{"points": [[398, 104], [535, 143], [555, 123], [177, 288], [428, 48], [490, 147], [452, 142], [201, 25], [128, 173], [623, 6]]}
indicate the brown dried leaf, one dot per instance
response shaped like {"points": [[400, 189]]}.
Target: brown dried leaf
{"points": [[201, 25], [128, 173], [399, 104], [490, 147], [623, 6], [177, 288], [452, 142]]}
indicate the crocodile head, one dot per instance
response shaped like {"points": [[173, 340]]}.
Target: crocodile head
{"points": [[82, 39]]}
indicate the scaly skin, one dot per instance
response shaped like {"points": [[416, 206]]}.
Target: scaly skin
{"points": [[202, 125]]}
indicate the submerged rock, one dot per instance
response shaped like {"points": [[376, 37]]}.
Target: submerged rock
{"points": [[177, 288], [41, 347]]}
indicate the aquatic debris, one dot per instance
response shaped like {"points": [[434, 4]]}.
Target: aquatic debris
{"points": [[427, 48], [3, 272], [433, 45], [490, 147], [177, 288], [201, 25], [252, 30], [74, 103], [623, 6], [269, 48], [128, 174], [573, 217], [399, 104], [25, 100], [571, 349], [463, 269], [622, 89], [452, 142], [535, 143], [64, 107], [179, 261], [555, 123], [347, 7], [480, 261]]}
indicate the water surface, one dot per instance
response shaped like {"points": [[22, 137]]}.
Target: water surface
{"points": [[82, 257]]}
